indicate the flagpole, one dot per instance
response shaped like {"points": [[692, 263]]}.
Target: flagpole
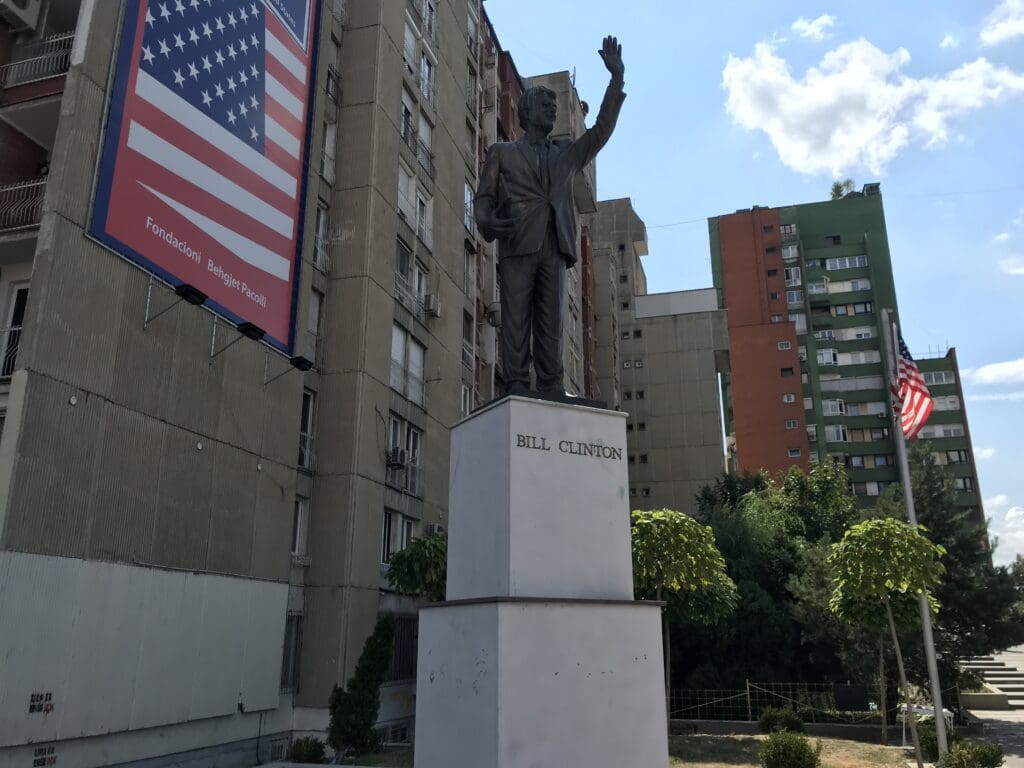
{"points": [[889, 356]]}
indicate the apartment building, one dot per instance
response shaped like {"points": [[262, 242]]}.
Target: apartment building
{"points": [[658, 358], [196, 514], [803, 287]]}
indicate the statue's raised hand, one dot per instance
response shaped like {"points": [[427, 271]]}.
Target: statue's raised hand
{"points": [[611, 54]]}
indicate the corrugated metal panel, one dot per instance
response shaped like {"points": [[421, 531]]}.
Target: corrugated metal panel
{"points": [[122, 647]]}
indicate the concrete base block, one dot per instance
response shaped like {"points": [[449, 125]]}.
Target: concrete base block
{"points": [[523, 683]]}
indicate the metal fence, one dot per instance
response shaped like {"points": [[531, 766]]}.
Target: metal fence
{"points": [[38, 60], [21, 205], [10, 338], [814, 702]]}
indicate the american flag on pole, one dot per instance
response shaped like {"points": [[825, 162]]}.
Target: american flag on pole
{"points": [[202, 178], [911, 398]]}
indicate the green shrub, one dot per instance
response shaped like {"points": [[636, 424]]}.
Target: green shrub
{"points": [[308, 749], [774, 719], [974, 754], [930, 740], [784, 749], [354, 708]]}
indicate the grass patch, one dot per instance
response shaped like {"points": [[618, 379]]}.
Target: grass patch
{"points": [[702, 751]]}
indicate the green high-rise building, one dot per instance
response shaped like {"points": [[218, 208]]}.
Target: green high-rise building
{"points": [[804, 287]]}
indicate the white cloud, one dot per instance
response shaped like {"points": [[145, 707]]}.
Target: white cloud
{"points": [[997, 502], [856, 108], [1012, 266], [949, 42], [998, 397], [1006, 372], [1004, 23], [1002, 237], [816, 29], [984, 454], [1008, 528]]}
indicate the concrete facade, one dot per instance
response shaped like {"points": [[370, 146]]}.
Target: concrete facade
{"points": [[130, 452]]}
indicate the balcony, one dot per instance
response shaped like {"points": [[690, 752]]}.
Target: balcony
{"points": [[21, 204], [407, 477], [407, 296], [307, 455], [425, 157], [322, 254], [408, 131], [38, 60], [11, 337], [467, 354]]}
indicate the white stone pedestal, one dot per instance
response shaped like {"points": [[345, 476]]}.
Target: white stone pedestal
{"points": [[540, 658]]}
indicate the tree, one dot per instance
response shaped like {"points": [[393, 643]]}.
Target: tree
{"points": [[354, 708], [982, 605], [876, 561], [421, 568], [841, 188], [675, 557]]}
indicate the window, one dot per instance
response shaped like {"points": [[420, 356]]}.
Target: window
{"points": [[645, 491], [801, 353], [931, 431], [846, 262], [787, 229], [627, 395], [472, 95], [403, 658], [627, 363], [386, 533], [427, 78], [818, 288], [774, 295], [424, 219], [833, 407], [292, 657], [471, 29], [638, 333], [776, 318], [784, 345], [790, 253], [623, 278], [307, 457], [836, 433], [792, 424], [794, 297], [409, 50], [767, 227], [641, 426], [860, 358], [863, 308], [625, 335], [857, 462], [406, 195], [643, 458], [638, 363], [860, 285], [879, 433], [828, 356], [629, 427], [332, 83], [938, 377], [833, 240], [631, 459], [466, 400], [808, 403], [956, 457], [299, 525], [327, 156], [403, 461], [467, 215], [639, 394], [322, 238], [799, 320], [885, 460], [785, 372], [468, 347], [624, 305], [963, 484], [793, 453], [313, 315], [771, 250], [792, 275], [632, 491], [469, 274], [825, 335], [812, 433], [410, 280], [773, 272], [407, 356], [840, 310]]}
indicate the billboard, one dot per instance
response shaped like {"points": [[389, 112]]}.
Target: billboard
{"points": [[202, 173]]}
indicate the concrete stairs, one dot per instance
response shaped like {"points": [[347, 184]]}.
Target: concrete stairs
{"points": [[1004, 671]]}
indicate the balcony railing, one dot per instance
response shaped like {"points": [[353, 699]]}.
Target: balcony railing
{"points": [[322, 254], [408, 478], [307, 454], [38, 60], [408, 130], [407, 296], [425, 231], [21, 204], [427, 89], [9, 337], [426, 158], [467, 354]]}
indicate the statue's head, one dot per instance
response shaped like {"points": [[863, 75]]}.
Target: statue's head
{"points": [[538, 106]]}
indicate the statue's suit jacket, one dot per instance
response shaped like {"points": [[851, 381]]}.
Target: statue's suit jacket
{"points": [[511, 179]]}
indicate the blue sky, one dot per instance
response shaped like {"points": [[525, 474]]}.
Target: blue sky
{"points": [[733, 104]]}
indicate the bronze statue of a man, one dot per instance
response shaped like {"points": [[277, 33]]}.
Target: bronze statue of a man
{"points": [[525, 200]]}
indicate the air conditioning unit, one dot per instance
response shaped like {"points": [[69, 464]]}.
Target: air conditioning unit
{"points": [[396, 457], [431, 305], [21, 14], [434, 529]]}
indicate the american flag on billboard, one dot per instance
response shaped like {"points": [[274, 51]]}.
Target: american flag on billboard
{"points": [[911, 398], [203, 173]]}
